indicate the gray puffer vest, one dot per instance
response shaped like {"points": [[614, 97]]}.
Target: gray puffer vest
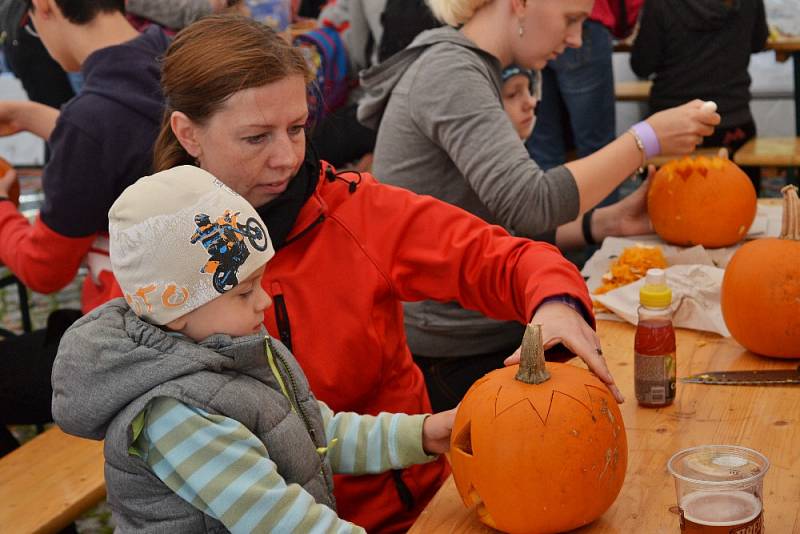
{"points": [[110, 364]]}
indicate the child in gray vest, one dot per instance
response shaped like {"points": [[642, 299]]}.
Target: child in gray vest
{"points": [[209, 423]]}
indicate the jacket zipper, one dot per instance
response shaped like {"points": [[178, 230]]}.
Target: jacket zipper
{"points": [[296, 406], [289, 392], [282, 318]]}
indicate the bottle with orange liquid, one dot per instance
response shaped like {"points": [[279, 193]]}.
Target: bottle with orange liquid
{"points": [[654, 345]]}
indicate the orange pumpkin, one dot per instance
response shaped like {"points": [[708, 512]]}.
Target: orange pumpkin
{"points": [[702, 201], [761, 289], [13, 192], [542, 451]]}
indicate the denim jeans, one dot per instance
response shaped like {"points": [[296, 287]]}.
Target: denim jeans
{"points": [[577, 97]]}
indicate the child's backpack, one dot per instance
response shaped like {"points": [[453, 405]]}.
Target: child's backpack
{"points": [[327, 58]]}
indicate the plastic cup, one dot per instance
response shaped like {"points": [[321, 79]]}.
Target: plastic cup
{"points": [[719, 489]]}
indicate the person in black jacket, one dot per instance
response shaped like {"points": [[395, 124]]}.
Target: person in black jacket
{"points": [[701, 49]]}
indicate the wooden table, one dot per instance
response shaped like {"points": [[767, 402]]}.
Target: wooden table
{"points": [[766, 418]]}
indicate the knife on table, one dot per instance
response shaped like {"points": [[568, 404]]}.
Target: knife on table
{"points": [[747, 378]]}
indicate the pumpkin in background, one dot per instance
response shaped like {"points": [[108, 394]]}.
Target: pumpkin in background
{"points": [[761, 289], [542, 451], [13, 192], [702, 201]]}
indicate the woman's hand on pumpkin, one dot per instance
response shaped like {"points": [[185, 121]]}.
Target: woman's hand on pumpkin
{"points": [[625, 217], [563, 324], [436, 430], [682, 128]]}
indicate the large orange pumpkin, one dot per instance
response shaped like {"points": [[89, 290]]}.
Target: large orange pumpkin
{"points": [[542, 451], [13, 192], [761, 289], [702, 201]]}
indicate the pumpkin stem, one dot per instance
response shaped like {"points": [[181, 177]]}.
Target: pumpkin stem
{"points": [[531, 362], [790, 227], [723, 153]]}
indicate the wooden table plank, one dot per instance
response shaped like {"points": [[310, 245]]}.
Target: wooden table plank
{"points": [[770, 152], [48, 482], [764, 418], [633, 91]]}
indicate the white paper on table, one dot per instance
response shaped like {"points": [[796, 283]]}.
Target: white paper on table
{"points": [[694, 274], [695, 298], [767, 222]]}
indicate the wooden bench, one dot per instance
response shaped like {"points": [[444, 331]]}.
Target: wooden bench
{"points": [[769, 152], [772, 152], [49, 482], [634, 91]]}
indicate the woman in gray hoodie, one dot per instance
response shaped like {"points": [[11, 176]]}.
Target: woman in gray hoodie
{"points": [[443, 132]]}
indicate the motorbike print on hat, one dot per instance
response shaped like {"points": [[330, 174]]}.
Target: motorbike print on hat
{"points": [[224, 241]]}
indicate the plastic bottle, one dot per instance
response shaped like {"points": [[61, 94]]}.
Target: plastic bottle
{"points": [[654, 345]]}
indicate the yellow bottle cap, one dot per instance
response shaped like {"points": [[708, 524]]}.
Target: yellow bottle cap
{"points": [[655, 293]]}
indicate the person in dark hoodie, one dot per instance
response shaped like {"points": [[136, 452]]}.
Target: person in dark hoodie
{"points": [[701, 49], [101, 141], [442, 131]]}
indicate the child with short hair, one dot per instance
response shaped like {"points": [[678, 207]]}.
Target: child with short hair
{"points": [[209, 423], [521, 90]]}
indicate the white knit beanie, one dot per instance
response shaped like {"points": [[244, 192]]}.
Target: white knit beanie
{"points": [[181, 238]]}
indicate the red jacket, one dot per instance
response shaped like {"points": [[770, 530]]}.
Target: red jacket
{"points": [[608, 13], [46, 261], [337, 286]]}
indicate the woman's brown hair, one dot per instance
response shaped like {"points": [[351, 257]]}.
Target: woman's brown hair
{"points": [[211, 60]]}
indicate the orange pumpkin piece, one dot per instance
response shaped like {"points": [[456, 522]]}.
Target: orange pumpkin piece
{"points": [[13, 192], [702, 201], [761, 289], [538, 447]]}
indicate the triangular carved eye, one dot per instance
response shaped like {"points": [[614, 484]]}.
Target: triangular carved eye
{"points": [[463, 441]]}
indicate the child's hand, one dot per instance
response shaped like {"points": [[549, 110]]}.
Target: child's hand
{"points": [[436, 431]]}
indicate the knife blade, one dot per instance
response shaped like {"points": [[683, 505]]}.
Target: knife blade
{"points": [[745, 378]]}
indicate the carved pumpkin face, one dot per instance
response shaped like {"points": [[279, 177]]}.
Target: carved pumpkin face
{"points": [[702, 201], [545, 457]]}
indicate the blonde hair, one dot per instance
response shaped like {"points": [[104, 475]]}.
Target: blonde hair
{"points": [[455, 12]]}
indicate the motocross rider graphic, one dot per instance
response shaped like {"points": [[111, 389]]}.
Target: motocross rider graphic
{"points": [[224, 241]]}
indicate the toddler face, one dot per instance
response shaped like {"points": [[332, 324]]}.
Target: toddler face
{"points": [[520, 104], [238, 312]]}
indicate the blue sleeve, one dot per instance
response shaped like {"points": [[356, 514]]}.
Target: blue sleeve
{"points": [[218, 466]]}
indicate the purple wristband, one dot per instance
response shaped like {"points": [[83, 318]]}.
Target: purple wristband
{"points": [[649, 139]]}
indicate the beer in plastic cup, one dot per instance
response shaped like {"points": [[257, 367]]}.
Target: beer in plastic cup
{"points": [[719, 489]]}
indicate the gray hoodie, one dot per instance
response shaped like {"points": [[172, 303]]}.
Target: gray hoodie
{"points": [[442, 131]]}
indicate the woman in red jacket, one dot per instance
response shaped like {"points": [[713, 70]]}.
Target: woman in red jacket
{"points": [[348, 249]]}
